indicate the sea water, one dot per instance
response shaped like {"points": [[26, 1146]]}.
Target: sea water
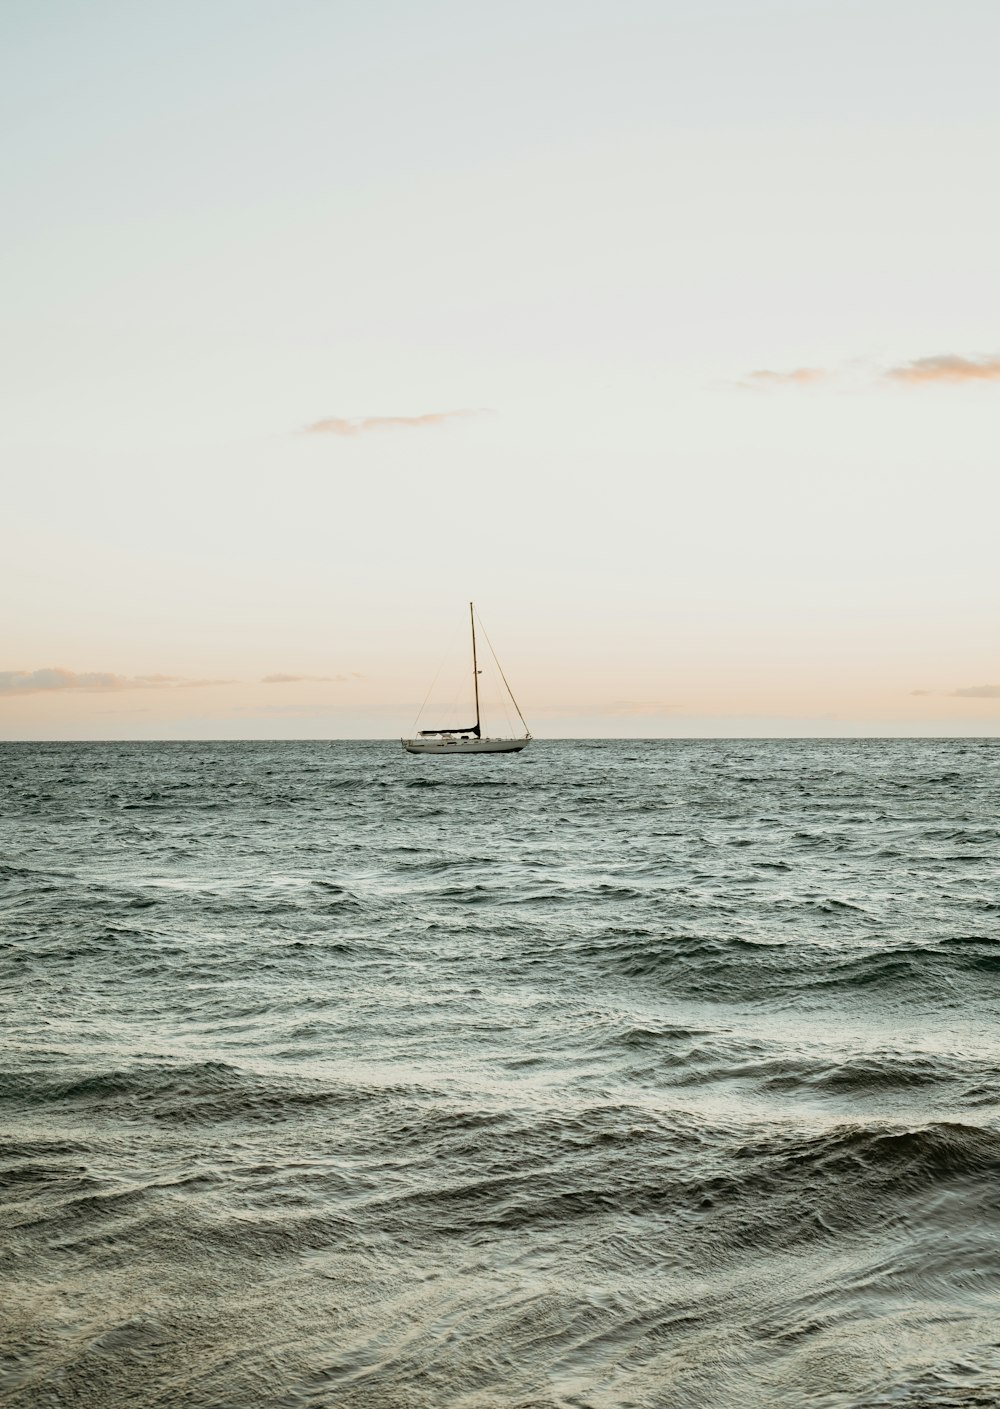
{"points": [[613, 1073]]}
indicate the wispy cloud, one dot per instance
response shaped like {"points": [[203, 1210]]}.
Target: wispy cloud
{"points": [[58, 678], [361, 425], [977, 692], [279, 678], [640, 707], [30, 682], [316, 709], [797, 377], [34, 682], [652, 708], [947, 367]]}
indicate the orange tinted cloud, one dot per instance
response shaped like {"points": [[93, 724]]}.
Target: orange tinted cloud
{"points": [[798, 376], [279, 678], [653, 708], [947, 368], [34, 682], [340, 425], [922, 371]]}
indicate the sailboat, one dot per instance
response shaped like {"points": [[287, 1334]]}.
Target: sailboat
{"points": [[470, 739]]}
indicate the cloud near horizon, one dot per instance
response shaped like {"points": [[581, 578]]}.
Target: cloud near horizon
{"points": [[651, 708], [311, 709], [977, 692], [279, 678], [34, 682], [361, 425]]}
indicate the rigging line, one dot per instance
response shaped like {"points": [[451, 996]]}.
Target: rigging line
{"points": [[504, 678], [498, 695], [447, 653], [501, 696]]}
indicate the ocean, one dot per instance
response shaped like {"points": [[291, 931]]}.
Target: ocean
{"points": [[613, 1075]]}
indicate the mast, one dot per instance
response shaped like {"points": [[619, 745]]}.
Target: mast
{"points": [[475, 666]]}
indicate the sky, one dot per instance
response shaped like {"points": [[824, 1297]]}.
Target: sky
{"points": [[666, 331]]}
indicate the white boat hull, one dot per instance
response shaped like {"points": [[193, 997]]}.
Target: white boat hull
{"points": [[453, 746]]}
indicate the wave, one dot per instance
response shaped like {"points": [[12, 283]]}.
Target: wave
{"points": [[775, 1192], [200, 1092], [878, 1158], [736, 966], [676, 1056], [880, 1072]]}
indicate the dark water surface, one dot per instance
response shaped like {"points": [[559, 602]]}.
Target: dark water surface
{"points": [[613, 1074]]}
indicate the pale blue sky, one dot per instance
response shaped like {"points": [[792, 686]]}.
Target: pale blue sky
{"points": [[592, 222]]}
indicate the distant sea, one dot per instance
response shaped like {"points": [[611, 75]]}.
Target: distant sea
{"points": [[612, 1075]]}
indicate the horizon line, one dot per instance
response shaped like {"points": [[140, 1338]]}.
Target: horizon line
{"points": [[535, 739]]}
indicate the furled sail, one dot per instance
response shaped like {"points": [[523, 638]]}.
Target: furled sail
{"points": [[469, 729]]}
